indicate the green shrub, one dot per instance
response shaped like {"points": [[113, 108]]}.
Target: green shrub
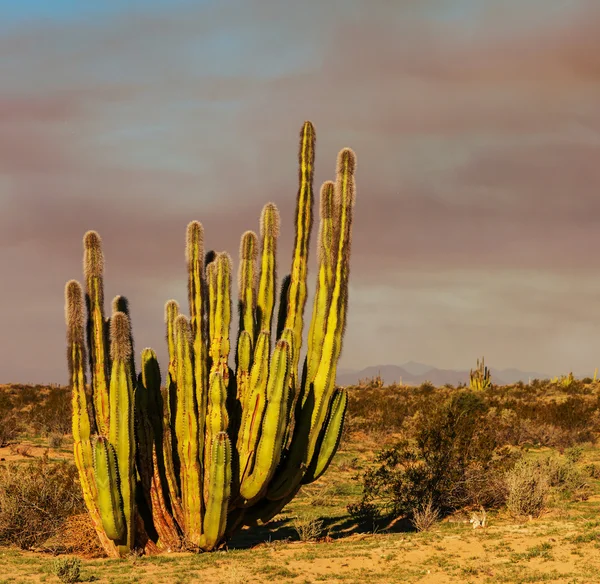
{"points": [[67, 570], [453, 461]]}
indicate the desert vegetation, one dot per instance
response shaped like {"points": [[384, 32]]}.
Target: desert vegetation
{"points": [[417, 469]]}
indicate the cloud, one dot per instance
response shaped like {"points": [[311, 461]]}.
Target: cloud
{"points": [[476, 133]]}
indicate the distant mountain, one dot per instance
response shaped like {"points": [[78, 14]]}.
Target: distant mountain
{"points": [[412, 373]]}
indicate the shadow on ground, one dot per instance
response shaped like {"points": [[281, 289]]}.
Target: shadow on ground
{"points": [[335, 527]]}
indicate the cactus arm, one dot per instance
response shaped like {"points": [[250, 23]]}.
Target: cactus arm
{"points": [[82, 447], [253, 406], [196, 296], [109, 498], [330, 439], [215, 520], [217, 421], [247, 280], [304, 202], [283, 305], [168, 455], [269, 231], [186, 429], [150, 462], [93, 267], [211, 282], [121, 432], [274, 422]]}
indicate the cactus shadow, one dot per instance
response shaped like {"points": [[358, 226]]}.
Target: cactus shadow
{"points": [[333, 528]]}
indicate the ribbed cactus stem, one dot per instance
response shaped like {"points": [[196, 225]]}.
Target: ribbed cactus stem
{"points": [[253, 407], [81, 425], [219, 490], [247, 282], [196, 298], [269, 232], [325, 275], [186, 429], [171, 313], [330, 437], [93, 268], [268, 451], [304, 201], [121, 432], [110, 501], [221, 314], [150, 458]]}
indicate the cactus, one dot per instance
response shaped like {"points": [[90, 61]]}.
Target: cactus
{"points": [[185, 466], [480, 378]]}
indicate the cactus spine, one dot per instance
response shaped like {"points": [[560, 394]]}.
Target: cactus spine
{"points": [[215, 449]]}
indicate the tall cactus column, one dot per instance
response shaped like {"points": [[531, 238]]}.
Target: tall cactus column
{"points": [[216, 448]]}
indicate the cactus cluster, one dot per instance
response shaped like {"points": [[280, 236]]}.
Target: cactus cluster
{"points": [[186, 464], [481, 377]]}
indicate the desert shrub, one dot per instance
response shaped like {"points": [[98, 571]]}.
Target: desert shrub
{"points": [[308, 528], [67, 570], [77, 536], [425, 516], [9, 422], [531, 482], [35, 499], [53, 413], [593, 470], [528, 488], [567, 479], [454, 460], [9, 428], [55, 440]]}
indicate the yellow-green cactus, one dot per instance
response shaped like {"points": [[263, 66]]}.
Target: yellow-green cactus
{"points": [[480, 378], [216, 448]]}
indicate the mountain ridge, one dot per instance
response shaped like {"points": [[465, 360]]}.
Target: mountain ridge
{"points": [[414, 373]]}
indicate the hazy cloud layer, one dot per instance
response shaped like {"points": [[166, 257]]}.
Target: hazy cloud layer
{"points": [[476, 126]]}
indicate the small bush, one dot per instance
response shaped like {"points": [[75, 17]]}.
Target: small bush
{"points": [[56, 440], [9, 428], [308, 529], [425, 517], [35, 499], [528, 488], [67, 570]]}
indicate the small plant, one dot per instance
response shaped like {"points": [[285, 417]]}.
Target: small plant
{"points": [[56, 440], [528, 488], [308, 528], [425, 516], [9, 428], [67, 569], [574, 453]]}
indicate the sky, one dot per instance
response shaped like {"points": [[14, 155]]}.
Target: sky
{"points": [[475, 124]]}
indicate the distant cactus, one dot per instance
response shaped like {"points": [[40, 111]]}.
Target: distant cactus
{"points": [[215, 449], [480, 378]]}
